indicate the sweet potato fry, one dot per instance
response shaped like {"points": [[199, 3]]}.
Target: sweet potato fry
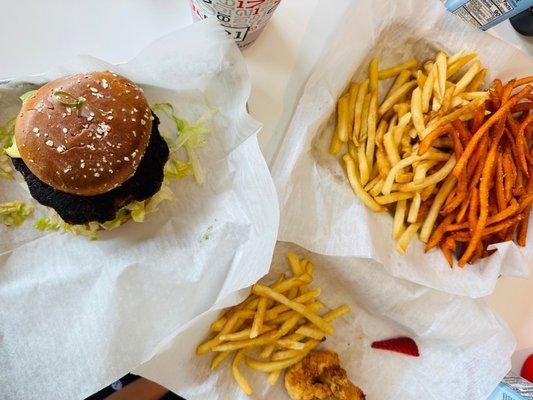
{"points": [[497, 116]]}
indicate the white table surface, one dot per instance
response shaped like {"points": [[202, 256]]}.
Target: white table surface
{"points": [[35, 35]]}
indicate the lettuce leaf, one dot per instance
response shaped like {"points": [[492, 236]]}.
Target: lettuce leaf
{"points": [[15, 213], [26, 96], [177, 169], [55, 223], [189, 136], [136, 209]]}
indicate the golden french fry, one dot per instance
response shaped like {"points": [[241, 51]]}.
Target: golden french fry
{"points": [[432, 179], [393, 197], [303, 298], [238, 375], [285, 354], [373, 75], [336, 144], [343, 118], [218, 358], [427, 90], [273, 377], [440, 62], [447, 100], [290, 344], [259, 317], [219, 324], [382, 128], [467, 78], [357, 187], [391, 148], [396, 96], [420, 79], [399, 130], [455, 57], [267, 350], [295, 264], [364, 173], [244, 334], [364, 119], [406, 237], [371, 130], [352, 94], [261, 290], [440, 198], [478, 81], [448, 118], [270, 366], [393, 71], [358, 110], [433, 155], [460, 63], [414, 208], [311, 332], [399, 217], [402, 78]]}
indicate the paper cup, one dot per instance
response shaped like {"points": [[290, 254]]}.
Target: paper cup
{"points": [[243, 20]]}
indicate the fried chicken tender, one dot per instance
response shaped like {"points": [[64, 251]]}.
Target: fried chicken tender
{"points": [[319, 376]]}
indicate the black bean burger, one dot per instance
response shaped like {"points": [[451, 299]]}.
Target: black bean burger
{"points": [[89, 145]]}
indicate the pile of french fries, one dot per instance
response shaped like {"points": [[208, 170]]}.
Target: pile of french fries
{"points": [[280, 323], [491, 202], [389, 164]]}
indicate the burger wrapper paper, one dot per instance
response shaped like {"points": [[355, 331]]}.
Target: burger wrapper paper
{"points": [[334, 221], [464, 347], [75, 314]]}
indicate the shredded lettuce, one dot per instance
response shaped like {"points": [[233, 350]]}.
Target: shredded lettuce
{"points": [[55, 223], [189, 136], [26, 96], [15, 212], [177, 169], [136, 209], [12, 151], [6, 141]]}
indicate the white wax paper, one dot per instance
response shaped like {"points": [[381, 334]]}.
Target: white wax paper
{"points": [[75, 314], [465, 347], [334, 221]]}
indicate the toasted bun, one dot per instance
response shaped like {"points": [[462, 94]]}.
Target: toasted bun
{"points": [[90, 149]]}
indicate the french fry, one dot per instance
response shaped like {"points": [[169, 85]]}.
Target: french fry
{"points": [[414, 208], [427, 90], [364, 118], [441, 63], [429, 222], [373, 75], [357, 187], [393, 71], [405, 238], [371, 130], [398, 226], [261, 290], [393, 197], [467, 78], [416, 111], [402, 78], [395, 97], [343, 118], [364, 172], [238, 375], [259, 317], [460, 63], [358, 110]]}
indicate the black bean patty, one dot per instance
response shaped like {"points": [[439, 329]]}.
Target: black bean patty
{"points": [[76, 209]]}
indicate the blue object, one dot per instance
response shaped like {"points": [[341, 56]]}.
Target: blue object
{"points": [[513, 387], [485, 14]]}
